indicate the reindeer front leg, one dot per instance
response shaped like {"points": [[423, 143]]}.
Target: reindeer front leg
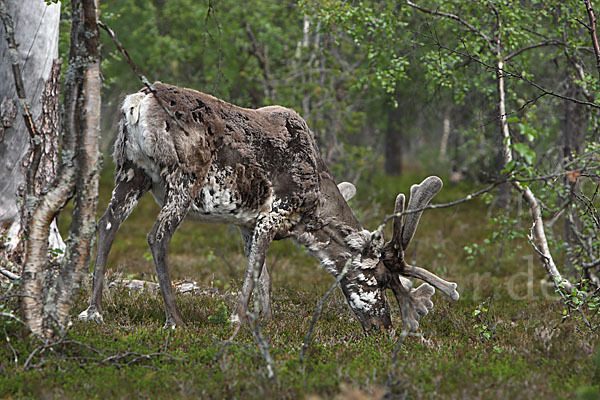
{"points": [[177, 204], [264, 283], [261, 239]]}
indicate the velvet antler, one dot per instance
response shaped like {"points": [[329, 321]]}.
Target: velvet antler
{"points": [[416, 302]]}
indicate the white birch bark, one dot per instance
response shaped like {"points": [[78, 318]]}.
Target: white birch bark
{"points": [[36, 27]]}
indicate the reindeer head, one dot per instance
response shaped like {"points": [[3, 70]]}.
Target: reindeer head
{"points": [[380, 266]]}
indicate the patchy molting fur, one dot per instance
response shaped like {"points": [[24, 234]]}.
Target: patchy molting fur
{"points": [[236, 186], [257, 169]]}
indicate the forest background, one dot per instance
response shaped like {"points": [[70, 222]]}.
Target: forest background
{"points": [[498, 98]]}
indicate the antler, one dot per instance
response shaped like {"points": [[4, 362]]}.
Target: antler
{"points": [[420, 196], [413, 303]]}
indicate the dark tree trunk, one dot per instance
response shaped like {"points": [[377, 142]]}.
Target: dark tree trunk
{"points": [[393, 141]]}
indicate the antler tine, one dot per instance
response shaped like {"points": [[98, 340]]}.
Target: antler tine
{"points": [[448, 288], [397, 227], [414, 303], [420, 196]]}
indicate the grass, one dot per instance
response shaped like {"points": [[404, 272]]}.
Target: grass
{"points": [[503, 339]]}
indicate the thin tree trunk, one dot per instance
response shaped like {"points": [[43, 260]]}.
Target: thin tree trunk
{"points": [[445, 136], [538, 235], [83, 224], [505, 157]]}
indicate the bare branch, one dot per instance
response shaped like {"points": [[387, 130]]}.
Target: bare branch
{"points": [[213, 10], [552, 42], [140, 75], [520, 77], [261, 57], [456, 18], [592, 29], [9, 274], [11, 316], [15, 354], [593, 264], [319, 308], [539, 236]]}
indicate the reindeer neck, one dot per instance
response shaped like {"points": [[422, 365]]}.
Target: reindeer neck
{"points": [[336, 233]]}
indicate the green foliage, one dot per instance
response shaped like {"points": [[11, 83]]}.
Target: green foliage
{"points": [[484, 327], [221, 315], [375, 30]]}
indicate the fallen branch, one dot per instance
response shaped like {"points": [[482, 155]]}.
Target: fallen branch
{"points": [[118, 359], [181, 287], [8, 274]]}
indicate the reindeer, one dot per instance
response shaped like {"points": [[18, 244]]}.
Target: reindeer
{"points": [[261, 171]]}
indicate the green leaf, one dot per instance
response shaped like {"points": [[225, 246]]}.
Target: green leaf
{"points": [[524, 151]]}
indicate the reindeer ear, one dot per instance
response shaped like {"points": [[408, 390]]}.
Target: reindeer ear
{"points": [[347, 189], [420, 196]]}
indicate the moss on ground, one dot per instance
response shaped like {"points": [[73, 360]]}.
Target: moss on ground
{"points": [[504, 339]]}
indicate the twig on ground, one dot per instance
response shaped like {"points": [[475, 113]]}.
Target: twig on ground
{"points": [[319, 309], [12, 316], [392, 378], [15, 354], [127, 358], [167, 340]]}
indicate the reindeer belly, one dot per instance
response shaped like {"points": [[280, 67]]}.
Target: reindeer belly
{"points": [[215, 203], [220, 200]]}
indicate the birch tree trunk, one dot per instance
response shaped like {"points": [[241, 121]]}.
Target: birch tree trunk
{"points": [[36, 27], [538, 233], [47, 294]]}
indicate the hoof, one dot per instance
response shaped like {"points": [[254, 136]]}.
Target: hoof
{"points": [[172, 323], [91, 314], [169, 325], [235, 319]]}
